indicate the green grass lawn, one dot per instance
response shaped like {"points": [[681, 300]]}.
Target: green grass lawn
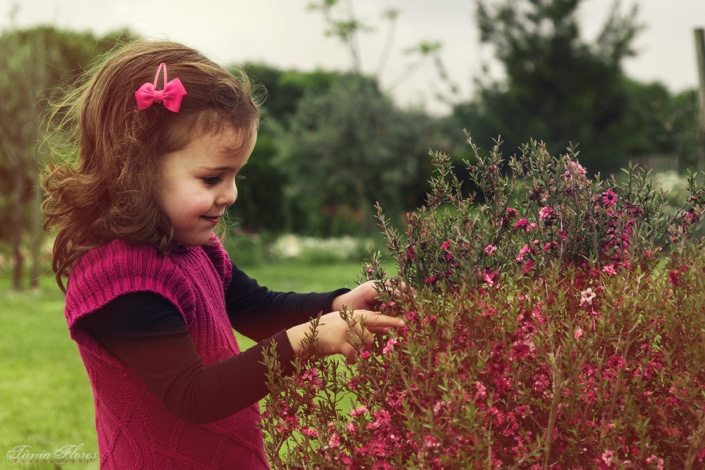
{"points": [[45, 397]]}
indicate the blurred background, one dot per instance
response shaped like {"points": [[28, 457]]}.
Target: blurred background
{"points": [[356, 92], [354, 95]]}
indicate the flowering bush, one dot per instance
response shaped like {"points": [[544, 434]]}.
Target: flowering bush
{"points": [[553, 321]]}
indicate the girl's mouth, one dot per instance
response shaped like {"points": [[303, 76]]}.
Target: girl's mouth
{"points": [[212, 219]]}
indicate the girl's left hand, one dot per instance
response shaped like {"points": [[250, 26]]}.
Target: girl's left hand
{"points": [[363, 297]]}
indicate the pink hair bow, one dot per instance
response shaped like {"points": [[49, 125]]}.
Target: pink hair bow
{"points": [[171, 95]]}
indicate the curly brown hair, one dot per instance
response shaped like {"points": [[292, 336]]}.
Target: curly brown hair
{"points": [[100, 182]]}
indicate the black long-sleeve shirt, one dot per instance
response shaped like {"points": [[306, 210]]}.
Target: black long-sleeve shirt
{"points": [[145, 331]]}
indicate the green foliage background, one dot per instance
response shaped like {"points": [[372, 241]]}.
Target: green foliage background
{"points": [[332, 143]]}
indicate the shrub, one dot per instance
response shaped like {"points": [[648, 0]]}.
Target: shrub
{"points": [[553, 321]]}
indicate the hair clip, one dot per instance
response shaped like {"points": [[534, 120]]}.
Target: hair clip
{"points": [[171, 95]]}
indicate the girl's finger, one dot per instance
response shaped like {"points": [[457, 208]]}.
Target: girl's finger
{"points": [[379, 330], [379, 320], [350, 353], [363, 336]]}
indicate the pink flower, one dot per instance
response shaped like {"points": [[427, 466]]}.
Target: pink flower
{"points": [[488, 280], [609, 198], [577, 167], [446, 245], [334, 441], [607, 456], [382, 419], [690, 217], [521, 223], [391, 342], [609, 269], [489, 311], [490, 249], [438, 407], [657, 460], [616, 362], [358, 411], [432, 442], [587, 296], [309, 432], [546, 213], [578, 333], [410, 253], [481, 390], [674, 277], [528, 266], [311, 375], [490, 277], [525, 250], [510, 214], [574, 169]]}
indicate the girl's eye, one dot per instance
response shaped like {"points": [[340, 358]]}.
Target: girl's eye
{"points": [[212, 180]]}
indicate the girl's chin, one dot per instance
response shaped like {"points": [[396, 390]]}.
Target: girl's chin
{"points": [[193, 240]]}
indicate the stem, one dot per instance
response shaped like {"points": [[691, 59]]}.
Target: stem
{"points": [[386, 50], [620, 374], [553, 414], [352, 41], [696, 443]]}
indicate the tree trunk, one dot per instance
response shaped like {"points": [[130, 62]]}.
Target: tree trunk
{"points": [[18, 268], [35, 229], [700, 56]]}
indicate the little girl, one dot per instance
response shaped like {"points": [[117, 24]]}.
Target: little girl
{"points": [[151, 296]]}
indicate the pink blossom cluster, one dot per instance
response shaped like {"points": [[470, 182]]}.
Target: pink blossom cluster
{"points": [[525, 373], [556, 324]]}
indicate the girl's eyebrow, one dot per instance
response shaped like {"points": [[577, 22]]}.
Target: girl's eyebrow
{"points": [[218, 168]]}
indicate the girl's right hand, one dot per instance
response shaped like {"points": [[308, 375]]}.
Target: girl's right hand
{"points": [[336, 336]]}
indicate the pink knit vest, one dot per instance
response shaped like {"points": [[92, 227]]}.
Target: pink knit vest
{"points": [[134, 430]]}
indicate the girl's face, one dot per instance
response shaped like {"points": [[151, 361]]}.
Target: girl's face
{"points": [[197, 182]]}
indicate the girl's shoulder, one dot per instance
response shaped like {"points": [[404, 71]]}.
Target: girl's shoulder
{"points": [[120, 267], [119, 256]]}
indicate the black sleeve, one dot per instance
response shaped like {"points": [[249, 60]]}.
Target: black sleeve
{"points": [[146, 332], [259, 313]]}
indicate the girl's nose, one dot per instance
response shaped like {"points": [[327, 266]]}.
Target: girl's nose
{"points": [[229, 195]]}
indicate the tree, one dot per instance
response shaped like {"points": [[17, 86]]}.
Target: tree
{"points": [[558, 87], [35, 63], [260, 204], [679, 120], [345, 149]]}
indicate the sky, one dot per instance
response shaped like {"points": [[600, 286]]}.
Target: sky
{"points": [[286, 34]]}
